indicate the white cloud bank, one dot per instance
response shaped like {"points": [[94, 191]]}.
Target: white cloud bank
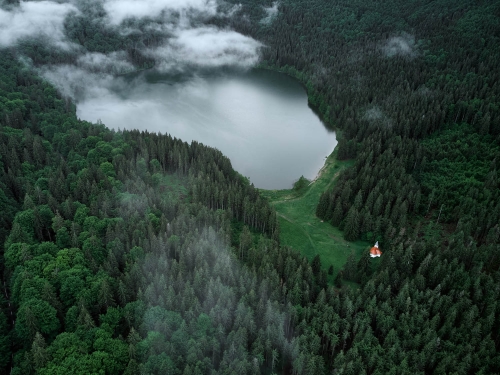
{"points": [[78, 83], [42, 19], [188, 44], [207, 47], [119, 10], [115, 62]]}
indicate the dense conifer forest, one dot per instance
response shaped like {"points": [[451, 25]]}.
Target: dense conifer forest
{"points": [[128, 252]]}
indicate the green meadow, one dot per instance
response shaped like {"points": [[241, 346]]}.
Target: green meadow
{"points": [[303, 231]]}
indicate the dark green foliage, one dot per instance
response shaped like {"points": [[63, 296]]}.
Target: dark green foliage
{"points": [[351, 228], [300, 184], [110, 269], [385, 106], [316, 265], [356, 91], [86, 353], [35, 315], [5, 339], [350, 269], [338, 279], [462, 172]]}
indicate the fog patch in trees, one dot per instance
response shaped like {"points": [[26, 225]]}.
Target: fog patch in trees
{"points": [[271, 13], [78, 83], [35, 19], [113, 63], [376, 116], [403, 45]]}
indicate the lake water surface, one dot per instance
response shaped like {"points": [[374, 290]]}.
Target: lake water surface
{"points": [[259, 119]]}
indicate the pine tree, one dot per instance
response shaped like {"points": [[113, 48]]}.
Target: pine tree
{"points": [[316, 265], [351, 231], [350, 268], [38, 351], [338, 214]]}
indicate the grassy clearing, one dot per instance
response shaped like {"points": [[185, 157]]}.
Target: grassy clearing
{"points": [[302, 230]]}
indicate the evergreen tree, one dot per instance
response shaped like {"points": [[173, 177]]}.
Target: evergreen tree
{"points": [[351, 231]]}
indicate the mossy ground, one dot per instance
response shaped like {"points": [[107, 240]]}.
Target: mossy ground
{"points": [[303, 231]]}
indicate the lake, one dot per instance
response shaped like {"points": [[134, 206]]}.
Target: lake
{"points": [[260, 119]]}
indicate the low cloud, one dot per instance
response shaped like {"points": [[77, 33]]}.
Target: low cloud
{"points": [[271, 13], [376, 116], [78, 83], [184, 43], [40, 19], [114, 63], [373, 114], [94, 75], [403, 45], [119, 10], [206, 47]]}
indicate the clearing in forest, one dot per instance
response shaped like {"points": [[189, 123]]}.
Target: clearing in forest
{"points": [[303, 231]]}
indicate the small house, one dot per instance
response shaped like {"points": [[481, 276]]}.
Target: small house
{"points": [[375, 251]]}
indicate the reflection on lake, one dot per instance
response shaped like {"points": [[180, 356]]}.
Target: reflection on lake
{"points": [[259, 119]]}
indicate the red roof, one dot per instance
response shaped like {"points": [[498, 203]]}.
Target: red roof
{"points": [[375, 252]]}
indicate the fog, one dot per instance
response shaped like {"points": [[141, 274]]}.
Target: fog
{"points": [[115, 62], [188, 44], [78, 83], [229, 294], [271, 13], [41, 19], [376, 116], [119, 10], [403, 45], [191, 58], [206, 47]]}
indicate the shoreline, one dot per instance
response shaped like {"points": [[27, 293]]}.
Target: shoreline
{"points": [[317, 112]]}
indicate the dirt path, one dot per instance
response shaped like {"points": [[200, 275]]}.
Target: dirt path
{"points": [[286, 218]]}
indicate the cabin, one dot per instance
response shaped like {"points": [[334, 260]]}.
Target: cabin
{"points": [[375, 251]]}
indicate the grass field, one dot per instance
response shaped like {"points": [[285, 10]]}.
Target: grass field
{"points": [[303, 231]]}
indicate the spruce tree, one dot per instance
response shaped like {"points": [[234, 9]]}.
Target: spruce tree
{"points": [[351, 231]]}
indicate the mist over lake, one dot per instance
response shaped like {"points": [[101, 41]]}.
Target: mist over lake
{"points": [[260, 119]]}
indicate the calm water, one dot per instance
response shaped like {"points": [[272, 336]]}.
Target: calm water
{"points": [[259, 119]]}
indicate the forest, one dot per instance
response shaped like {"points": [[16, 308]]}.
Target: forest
{"points": [[129, 252]]}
